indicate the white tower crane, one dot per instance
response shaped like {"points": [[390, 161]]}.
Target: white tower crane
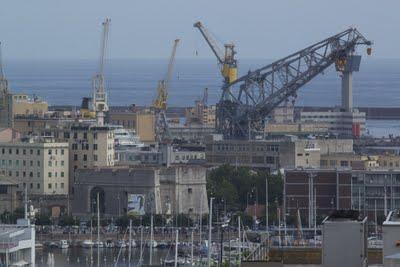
{"points": [[99, 93]]}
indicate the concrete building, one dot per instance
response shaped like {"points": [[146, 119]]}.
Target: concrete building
{"points": [[8, 195], [331, 189], [341, 123], [20, 104], [391, 242], [297, 128], [163, 190], [192, 133], [348, 160], [344, 240], [39, 164], [342, 188]]}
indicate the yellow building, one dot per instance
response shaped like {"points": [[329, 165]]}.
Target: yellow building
{"points": [[20, 104], [201, 114]]}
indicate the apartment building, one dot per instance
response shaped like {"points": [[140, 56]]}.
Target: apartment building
{"points": [[39, 164]]}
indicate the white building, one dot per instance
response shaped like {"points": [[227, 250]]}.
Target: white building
{"points": [[343, 123], [17, 244], [39, 164]]}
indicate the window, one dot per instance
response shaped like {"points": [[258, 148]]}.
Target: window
{"points": [[38, 174], [38, 152], [31, 163], [31, 151], [49, 174], [95, 157], [38, 186], [94, 146], [95, 136], [84, 157], [17, 151], [17, 173], [3, 189], [23, 174], [75, 135], [9, 173], [62, 151], [3, 151], [10, 151], [75, 157], [49, 163], [190, 190], [62, 185], [10, 163], [38, 163], [31, 174], [66, 135], [344, 163], [62, 163], [55, 174], [17, 162], [49, 186], [84, 135], [49, 152], [31, 185], [62, 174]]}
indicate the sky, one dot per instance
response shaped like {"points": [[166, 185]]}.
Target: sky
{"points": [[70, 29]]}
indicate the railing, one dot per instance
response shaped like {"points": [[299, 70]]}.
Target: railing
{"points": [[260, 252]]}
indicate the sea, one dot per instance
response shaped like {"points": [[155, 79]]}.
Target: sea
{"points": [[134, 81]]}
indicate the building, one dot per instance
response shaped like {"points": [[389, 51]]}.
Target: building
{"points": [[143, 122], [330, 189], [191, 133], [348, 160], [8, 195], [201, 114], [40, 164], [162, 190], [9, 135], [297, 128], [364, 190], [391, 233], [20, 104], [341, 123], [17, 244], [344, 240]]}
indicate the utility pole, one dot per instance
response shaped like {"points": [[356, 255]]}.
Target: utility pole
{"points": [[266, 205], [209, 233]]}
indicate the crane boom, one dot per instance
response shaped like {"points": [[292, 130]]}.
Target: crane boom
{"points": [[262, 90], [226, 60], [100, 104], [160, 103]]}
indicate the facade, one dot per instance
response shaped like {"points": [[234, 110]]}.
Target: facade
{"points": [[39, 164], [330, 189], [8, 195], [20, 104], [348, 160], [297, 128], [342, 123], [342, 188], [391, 233], [193, 133], [17, 244], [163, 190]]}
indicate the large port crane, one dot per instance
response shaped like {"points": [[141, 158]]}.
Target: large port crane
{"points": [[242, 115], [226, 59], [160, 102], [100, 104]]}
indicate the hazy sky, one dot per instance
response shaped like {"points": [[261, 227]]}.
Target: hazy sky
{"points": [[53, 29]]}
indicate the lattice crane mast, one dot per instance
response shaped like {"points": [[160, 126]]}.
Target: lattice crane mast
{"points": [[100, 104], [243, 115], [160, 102], [226, 59]]}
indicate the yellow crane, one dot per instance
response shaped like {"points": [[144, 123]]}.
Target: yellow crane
{"points": [[160, 102], [226, 59]]}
